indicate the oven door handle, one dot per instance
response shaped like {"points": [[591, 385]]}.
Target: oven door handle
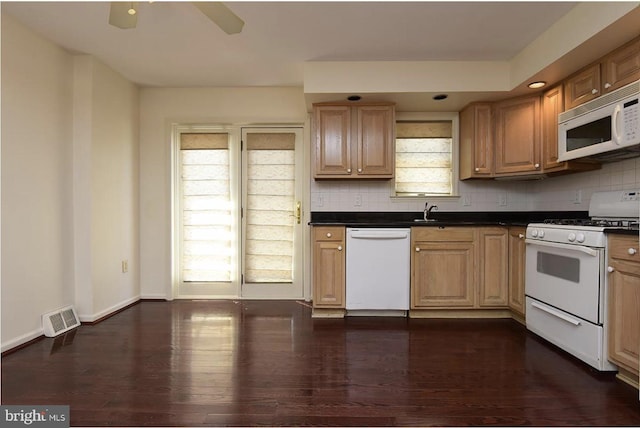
{"points": [[556, 314], [581, 248]]}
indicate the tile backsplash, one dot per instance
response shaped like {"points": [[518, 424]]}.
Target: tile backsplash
{"points": [[567, 193]]}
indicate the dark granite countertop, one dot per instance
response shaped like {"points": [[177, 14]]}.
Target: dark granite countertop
{"points": [[458, 218]]}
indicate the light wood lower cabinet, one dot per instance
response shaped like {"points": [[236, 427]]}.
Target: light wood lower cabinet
{"points": [[493, 263], [329, 267], [623, 322], [442, 261], [517, 259]]}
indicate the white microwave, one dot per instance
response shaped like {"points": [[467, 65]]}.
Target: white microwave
{"points": [[606, 128]]}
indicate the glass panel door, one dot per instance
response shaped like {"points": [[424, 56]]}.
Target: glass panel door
{"points": [[272, 230]]}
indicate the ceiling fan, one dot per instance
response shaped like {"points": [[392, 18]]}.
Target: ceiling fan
{"points": [[125, 15]]}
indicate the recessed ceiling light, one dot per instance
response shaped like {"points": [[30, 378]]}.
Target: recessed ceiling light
{"points": [[440, 97], [537, 85]]}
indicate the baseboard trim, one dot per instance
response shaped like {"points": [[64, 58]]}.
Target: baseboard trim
{"points": [[22, 341], [109, 312], [460, 313]]}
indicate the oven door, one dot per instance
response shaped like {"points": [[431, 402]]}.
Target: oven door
{"points": [[567, 277]]}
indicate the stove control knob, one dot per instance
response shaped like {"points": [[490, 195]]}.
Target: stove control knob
{"points": [[580, 237], [534, 233], [541, 234], [572, 237]]}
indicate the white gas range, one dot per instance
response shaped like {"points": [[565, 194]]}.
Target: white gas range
{"points": [[566, 276]]}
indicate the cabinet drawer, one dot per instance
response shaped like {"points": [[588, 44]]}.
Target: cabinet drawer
{"points": [[456, 234], [624, 248], [325, 233]]}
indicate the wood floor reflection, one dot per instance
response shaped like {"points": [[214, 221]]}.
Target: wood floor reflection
{"points": [[226, 363]]}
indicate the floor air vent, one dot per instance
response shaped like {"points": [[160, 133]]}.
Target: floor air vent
{"points": [[60, 321]]}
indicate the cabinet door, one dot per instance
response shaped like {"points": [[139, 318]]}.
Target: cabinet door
{"points": [[375, 141], [624, 314], [552, 106], [621, 67], [332, 126], [328, 267], [582, 87], [476, 142], [493, 262], [442, 275], [517, 136], [516, 269]]}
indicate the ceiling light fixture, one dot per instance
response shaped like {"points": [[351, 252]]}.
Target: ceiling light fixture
{"points": [[537, 85], [131, 10]]}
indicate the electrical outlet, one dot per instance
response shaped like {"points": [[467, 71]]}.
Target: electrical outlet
{"points": [[577, 197], [358, 200], [502, 200], [125, 266], [466, 200], [320, 200]]}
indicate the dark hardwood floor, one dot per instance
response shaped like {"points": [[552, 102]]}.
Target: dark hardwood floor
{"points": [[213, 363]]}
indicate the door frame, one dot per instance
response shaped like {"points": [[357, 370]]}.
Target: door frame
{"points": [[234, 291]]}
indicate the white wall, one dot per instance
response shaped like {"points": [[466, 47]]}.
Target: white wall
{"points": [[69, 184], [159, 108], [106, 199], [37, 215]]}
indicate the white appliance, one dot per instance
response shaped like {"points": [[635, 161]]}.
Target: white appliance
{"points": [[605, 129], [378, 271], [566, 276]]}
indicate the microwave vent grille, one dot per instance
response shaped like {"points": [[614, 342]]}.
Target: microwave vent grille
{"points": [[610, 98]]}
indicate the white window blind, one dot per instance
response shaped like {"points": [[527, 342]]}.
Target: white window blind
{"points": [[424, 164], [270, 206], [206, 208]]}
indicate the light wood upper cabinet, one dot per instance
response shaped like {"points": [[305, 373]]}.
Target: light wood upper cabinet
{"points": [[332, 126], [623, 286], [442, 274], [517, 136], [552, 106], [517, 259], [476, 141], [329, 267], [354, 141], [621, 66], [582, 87], [615, 70], [493, 262]]}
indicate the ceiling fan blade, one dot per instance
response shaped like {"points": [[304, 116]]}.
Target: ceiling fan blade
{"points": [[119, 15], [221, 15]]}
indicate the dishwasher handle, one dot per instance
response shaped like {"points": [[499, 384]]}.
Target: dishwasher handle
{"points": [[363, 234]]}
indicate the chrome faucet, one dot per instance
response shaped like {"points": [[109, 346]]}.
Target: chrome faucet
{"points": [[428, 210]]}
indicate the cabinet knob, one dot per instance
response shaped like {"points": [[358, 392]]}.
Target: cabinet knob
{"points": [[359, 169], [520, 235], [329, 235], [610, 269], [632, 251], [417, 249], [607, 85], [537, 166], [594, 91], [339, 247], [349, 170], [477, 169]]}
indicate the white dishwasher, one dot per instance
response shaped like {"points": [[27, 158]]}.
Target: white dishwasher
{"points": [[378, 272]]}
